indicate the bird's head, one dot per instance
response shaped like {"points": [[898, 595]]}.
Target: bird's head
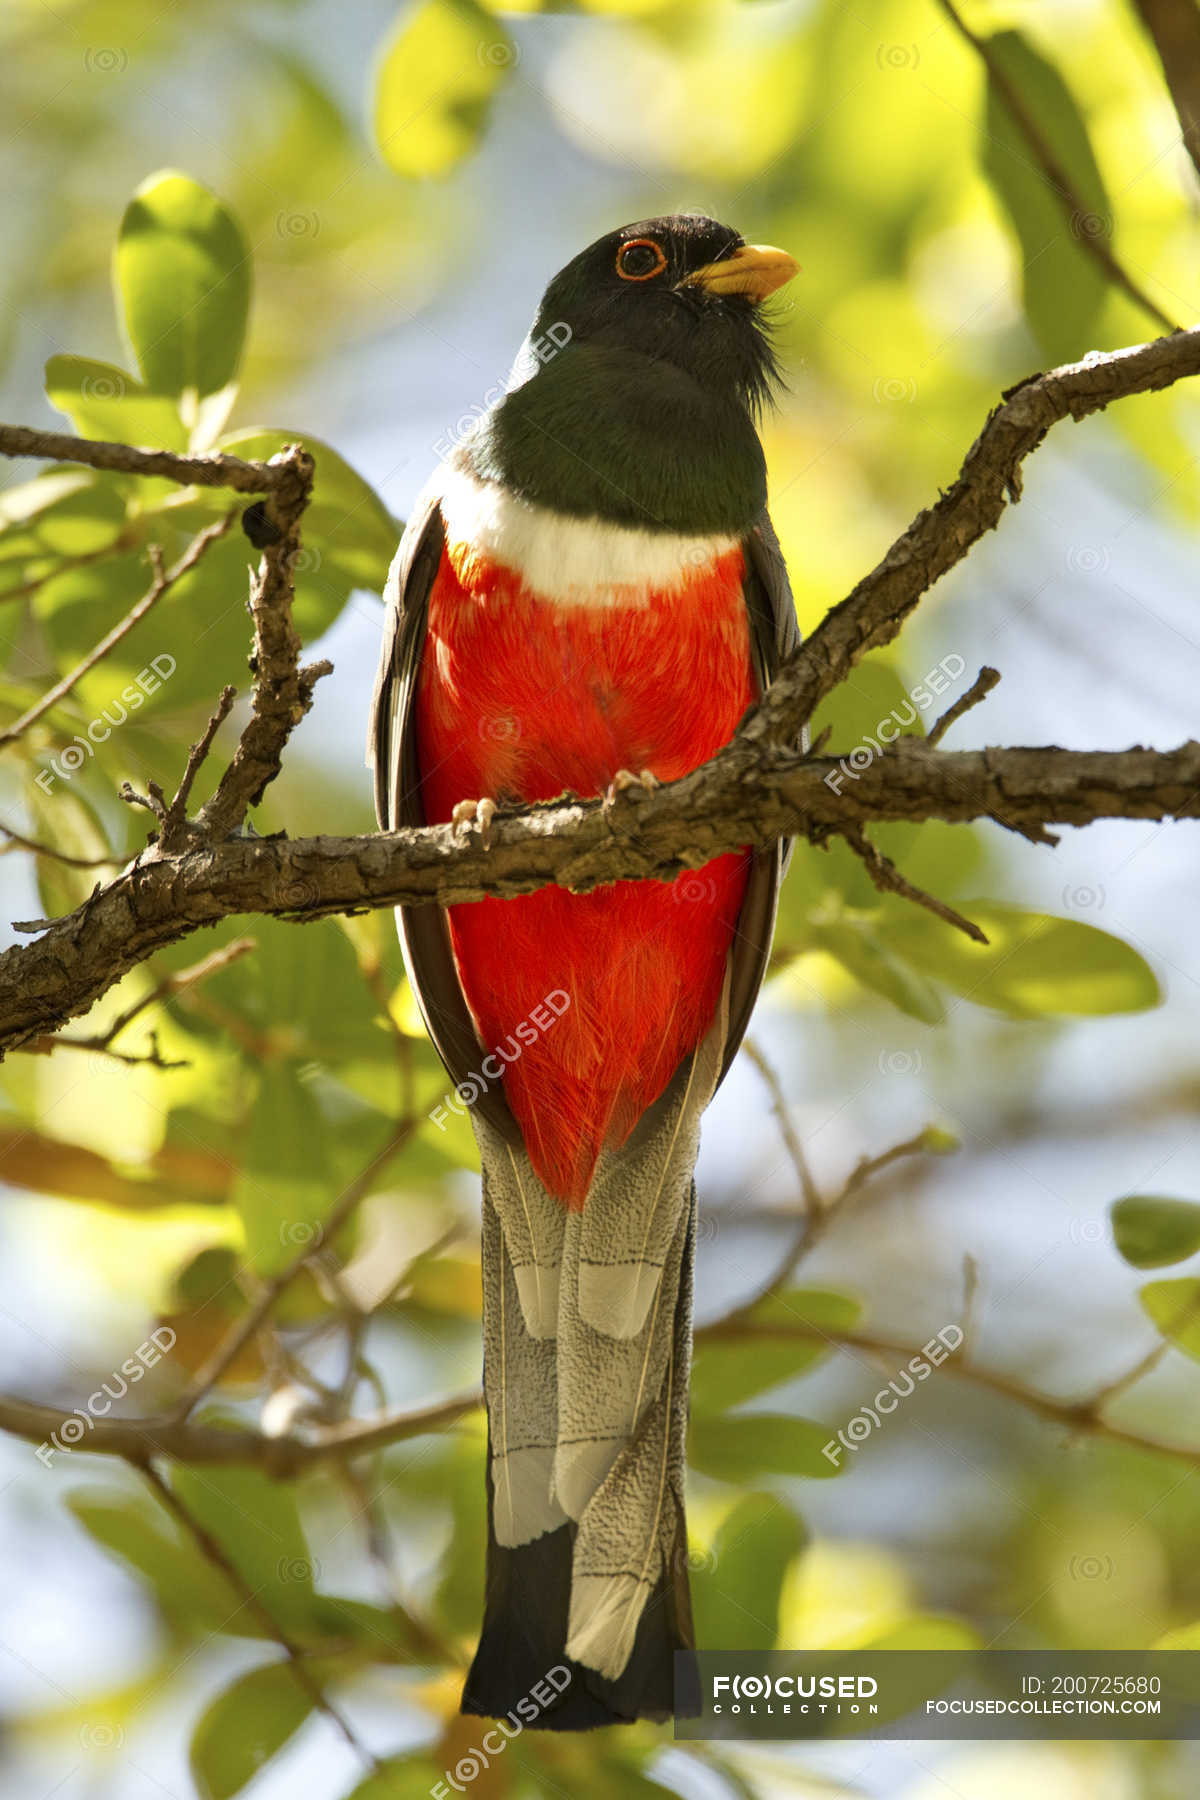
{"points": [[684, 290], [634, 396]]}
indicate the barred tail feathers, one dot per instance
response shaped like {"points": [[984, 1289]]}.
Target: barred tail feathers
{"points": [[587, 1422]]}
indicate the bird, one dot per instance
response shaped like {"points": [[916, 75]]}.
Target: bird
{"points": [[588, 597]]}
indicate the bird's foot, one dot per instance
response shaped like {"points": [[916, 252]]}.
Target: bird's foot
{"points": [[623, 780], [475, 812]]}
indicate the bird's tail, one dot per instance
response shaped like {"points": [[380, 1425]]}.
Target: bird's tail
{"points": [[587, 1351]]}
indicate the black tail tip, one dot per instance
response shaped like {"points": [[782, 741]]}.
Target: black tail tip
{"points": [[521, 1672]]}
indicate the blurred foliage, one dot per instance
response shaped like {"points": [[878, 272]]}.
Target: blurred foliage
{"points": [[299, 228]]}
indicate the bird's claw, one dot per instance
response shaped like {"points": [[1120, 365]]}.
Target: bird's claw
{"points": [[623, 780], [479, 813]]}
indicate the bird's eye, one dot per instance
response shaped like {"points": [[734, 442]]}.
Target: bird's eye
{"points": [[640, 259]]}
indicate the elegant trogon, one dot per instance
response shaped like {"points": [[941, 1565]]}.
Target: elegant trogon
{"points": [[589, 587]]}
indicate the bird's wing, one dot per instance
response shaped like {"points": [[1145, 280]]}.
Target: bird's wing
{"points": [[392, 747], [774, 634]]}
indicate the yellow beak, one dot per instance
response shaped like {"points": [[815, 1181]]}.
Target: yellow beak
{"points": [[755, 270]]}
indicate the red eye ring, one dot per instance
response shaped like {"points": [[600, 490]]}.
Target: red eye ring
{"points": [[641, 244]]}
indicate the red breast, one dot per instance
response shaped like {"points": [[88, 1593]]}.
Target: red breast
{"points": [[521, 697]]}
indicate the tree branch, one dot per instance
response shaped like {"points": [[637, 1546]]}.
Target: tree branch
{"points": [[873, 612], [1174, 26], [189, 471], [216, 1554], [194, 1443], [578, 844], [164, 580]]}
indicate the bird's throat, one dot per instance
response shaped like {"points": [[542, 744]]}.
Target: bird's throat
{"points": [[612, 434]]}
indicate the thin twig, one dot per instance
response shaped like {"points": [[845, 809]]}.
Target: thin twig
{"points": [[200, 1445], [150, 1059], [164, 580], [970, 1296], [1145, 1365], [1077, 213], [888, 879], [27, 588], [175, 820], [215, 1553], [19, 841], [815, 1223], [166, 989], [189, 471], [809, 1190], [979, 689], [1074, 1415], [244, 1329]]}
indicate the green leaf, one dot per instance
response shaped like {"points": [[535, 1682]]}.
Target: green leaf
{"points": [[1184, 1637], [243, 1729], [349, 535], [1152, 1230], [927, 1631], [1064, 286], [183, 272], [386, 1636], [435, 83], [188, 1588], [1174, 1306], [405, 1778], [741, 1446], [855, 942], [104, 402], [317, 1005], [257, 1523], [1032, 966], [30, 499], [284, 1188], [65, 818], [729, 1371], [736, 1587]]}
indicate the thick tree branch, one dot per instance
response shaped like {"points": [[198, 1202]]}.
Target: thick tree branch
{"points": [[579, 844], [757, 789]]}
